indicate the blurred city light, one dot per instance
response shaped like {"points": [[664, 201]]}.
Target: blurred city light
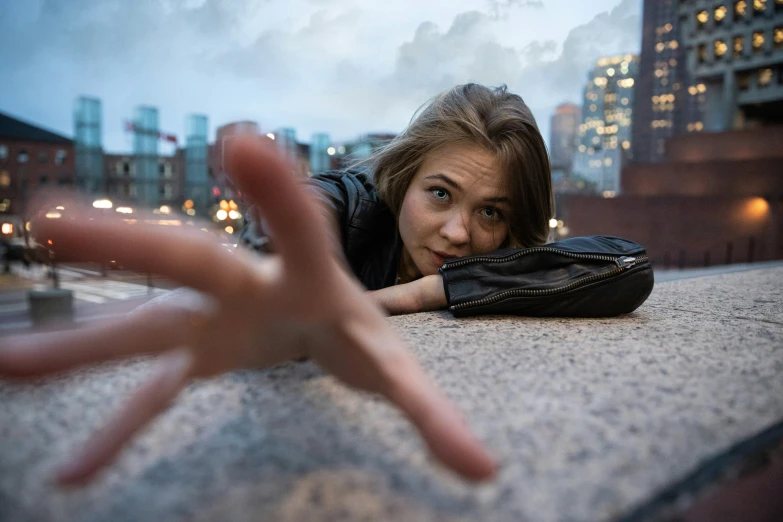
{"points": [[102, 203]]}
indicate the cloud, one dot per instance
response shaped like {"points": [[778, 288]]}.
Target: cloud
{"points": [[500, 8], [338, 66]]}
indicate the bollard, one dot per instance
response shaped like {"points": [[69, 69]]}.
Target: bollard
{"points": [[751, 249], [52, 305], [729, 248]]}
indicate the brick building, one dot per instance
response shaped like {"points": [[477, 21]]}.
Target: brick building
{"points": [[30, 157]]}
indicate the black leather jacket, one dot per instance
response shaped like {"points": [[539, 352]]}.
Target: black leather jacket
{"points": [[595, 276]]}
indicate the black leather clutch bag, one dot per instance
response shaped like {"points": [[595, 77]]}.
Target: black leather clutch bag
{"points": [[592, 276]]}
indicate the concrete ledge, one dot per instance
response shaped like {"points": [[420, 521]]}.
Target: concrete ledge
{"points": [[590, 418]]}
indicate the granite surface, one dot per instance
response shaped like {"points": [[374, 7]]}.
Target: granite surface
{"points": [[589, 418]]}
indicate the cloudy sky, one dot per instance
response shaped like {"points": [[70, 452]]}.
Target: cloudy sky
{"points": [[345, 67]]}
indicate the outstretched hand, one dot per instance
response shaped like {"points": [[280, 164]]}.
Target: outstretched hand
{"points": [[255, 312]]}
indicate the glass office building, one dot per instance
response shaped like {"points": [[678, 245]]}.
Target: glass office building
{"points": [[319, 155], [607, 114], [196, 163], [88, 145], [145, 150]]}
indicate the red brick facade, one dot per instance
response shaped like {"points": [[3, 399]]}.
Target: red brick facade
{"points": [[718, 199], [26, 166]]}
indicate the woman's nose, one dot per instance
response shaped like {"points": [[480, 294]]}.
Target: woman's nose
{"points": [[455, 229]]}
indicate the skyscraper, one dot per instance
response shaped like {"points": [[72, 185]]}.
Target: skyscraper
{"points": [[286, 142], [564, 134], [145, 148], [196, 168], [736, 50], [88, 144], [668, 100], [605, 131], [319, 155]]}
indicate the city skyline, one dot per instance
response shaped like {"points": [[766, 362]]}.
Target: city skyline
{"points": [[363, 81]]}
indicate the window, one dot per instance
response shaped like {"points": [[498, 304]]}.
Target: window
{"points": [[5, 179], [743, 81], [702, 53], [59, 158], [720, 14], [739, 46], [22, 157], [702, 17], [3, 152], [759, 6], [43, 180], [720, 48], [758, 41], [43, 156], [740, 10], [765, 77], [777, 38]]}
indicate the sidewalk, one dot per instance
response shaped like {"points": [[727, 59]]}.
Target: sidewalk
{"points": [[591, 419]]}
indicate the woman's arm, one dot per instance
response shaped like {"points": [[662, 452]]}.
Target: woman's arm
{"points": [[422, 295]]}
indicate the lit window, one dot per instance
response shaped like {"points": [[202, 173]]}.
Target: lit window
{"points": [[702, 17], [759, 6], [765, 77], [22, 157], [758, 40], [740, 9], [660, 46], [673, 44], [720, 48], [720, 13], [3, 152], [777, 37], [698, 126], [739, 45], [701, 88], [692, 90]]}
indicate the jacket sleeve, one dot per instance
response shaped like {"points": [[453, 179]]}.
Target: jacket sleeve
{"points": [[340, 192], [595, 276]]}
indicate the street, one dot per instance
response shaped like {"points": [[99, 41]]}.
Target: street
{"points": [[95, 295]]}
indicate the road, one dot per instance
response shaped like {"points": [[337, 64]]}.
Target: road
{"points": [[95, 295]]}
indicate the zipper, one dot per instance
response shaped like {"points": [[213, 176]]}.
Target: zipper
{"points": [[622, 263]]}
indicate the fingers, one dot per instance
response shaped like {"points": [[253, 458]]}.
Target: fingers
{"points": [[147, 402], [381, 363], [266, 179], [153, 330], [438, 421], [183, 254]]}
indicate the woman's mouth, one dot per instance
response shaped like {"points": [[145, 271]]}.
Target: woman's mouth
{"points": [[440, 257]]}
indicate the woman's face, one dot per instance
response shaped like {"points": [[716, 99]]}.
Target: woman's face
{"points": [[456, 205]]}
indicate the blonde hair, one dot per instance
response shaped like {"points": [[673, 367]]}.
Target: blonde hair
{"points": [[492, 118]]}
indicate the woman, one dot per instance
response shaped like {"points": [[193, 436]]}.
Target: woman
{"points": [[469, 175]]}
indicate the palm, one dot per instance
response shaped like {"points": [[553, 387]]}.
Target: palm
{"points": [[245, 312]]}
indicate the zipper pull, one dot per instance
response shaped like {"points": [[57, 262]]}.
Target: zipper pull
{"points": [[625, 262]]}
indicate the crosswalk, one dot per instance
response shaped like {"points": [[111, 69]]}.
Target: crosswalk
{"points": [[100, 292]]}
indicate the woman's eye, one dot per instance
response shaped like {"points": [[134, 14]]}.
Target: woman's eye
{"points": [[439, 193], [491, 213]]}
